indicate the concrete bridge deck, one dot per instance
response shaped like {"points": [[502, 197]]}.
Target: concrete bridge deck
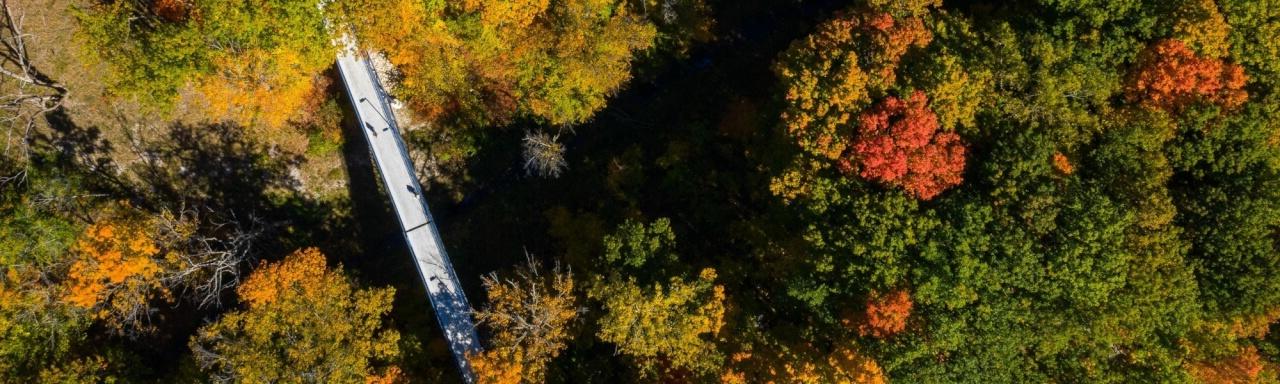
{"points": [[373, 113]]}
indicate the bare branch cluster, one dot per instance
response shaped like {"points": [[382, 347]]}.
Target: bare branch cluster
{"points": [[32, 94], [543, 154], [206, 261]]}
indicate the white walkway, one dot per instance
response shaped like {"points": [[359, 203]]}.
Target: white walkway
{"points": [[373, 113]]}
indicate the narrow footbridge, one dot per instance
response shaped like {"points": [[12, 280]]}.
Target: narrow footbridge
{"points": [[373, 113]]}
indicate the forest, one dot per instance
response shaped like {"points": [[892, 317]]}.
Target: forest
{"points": [[645, 191]]}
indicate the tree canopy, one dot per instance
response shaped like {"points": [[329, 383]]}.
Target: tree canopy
{"points": [[648, 191], [302, 322]]}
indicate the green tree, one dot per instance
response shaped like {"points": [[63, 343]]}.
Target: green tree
{"points": [[1227, 189], [636, 244], [44, 338], [665, 320], [252, 62], [1255, 36]]}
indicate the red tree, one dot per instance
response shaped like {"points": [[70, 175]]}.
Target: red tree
{"points": [[899, 144], [886, 314], [1171, 76]]}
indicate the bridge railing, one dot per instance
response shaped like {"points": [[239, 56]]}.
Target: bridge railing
{"points": [[460, 331]]}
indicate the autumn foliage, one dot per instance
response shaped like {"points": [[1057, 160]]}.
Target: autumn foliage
{"points": [[529, 316], [170, 10], [804, 364], [831, 74], [498, 366], [825, 87], [301, 319], [1242, 368], [891, 38], [1063, 164], [1203, 27], [115, 273], [1171, 76], [899, 144], [487, 62], [664, 326], [886, 314], [267, 87]]}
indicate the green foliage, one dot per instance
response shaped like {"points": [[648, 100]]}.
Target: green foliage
{"points": [[635, 244], [1227, 189], [252, 61], [1255, 36], [665, 321], [663, 324], [865, 246], [1089, 241], [150, 58], [42, 337], [1115, 218]]}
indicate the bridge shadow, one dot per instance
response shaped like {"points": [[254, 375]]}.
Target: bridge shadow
{"points": [[381, 257]]}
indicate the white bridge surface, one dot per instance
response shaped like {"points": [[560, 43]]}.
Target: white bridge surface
{"points": [[373, 113]]}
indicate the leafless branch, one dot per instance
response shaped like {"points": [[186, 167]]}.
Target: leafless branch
{"points": [[207, 259], [543, 154], [33, 93]]}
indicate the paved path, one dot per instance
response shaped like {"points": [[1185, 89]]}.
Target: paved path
{"points": [[373, 113]]}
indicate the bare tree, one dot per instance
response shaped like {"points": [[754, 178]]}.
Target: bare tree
{"points": [[206, 260], [31, 93], [543, 154]]}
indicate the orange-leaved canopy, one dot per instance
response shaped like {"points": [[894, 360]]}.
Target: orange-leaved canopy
{"points": [[899, 144]]}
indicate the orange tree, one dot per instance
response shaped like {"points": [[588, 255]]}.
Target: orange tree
{"points": [[1171, 76], [899, 144], [115, 274]]}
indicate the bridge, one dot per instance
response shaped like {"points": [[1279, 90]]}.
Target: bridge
{"points": [[373, 113]]}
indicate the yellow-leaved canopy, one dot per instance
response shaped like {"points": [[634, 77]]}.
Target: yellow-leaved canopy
{"points": [[301, 319], [487, 62]]}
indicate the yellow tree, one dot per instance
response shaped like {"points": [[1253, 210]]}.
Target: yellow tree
{"points": [[1202, 26], [115, 274], [249, 61], [803, 364], [669, 326], [263, 90], [301, 322], [487, 62], [529, 316], [832, 74]]}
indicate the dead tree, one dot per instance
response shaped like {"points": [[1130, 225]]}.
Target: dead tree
{"points": [[30, 93], [207, 255], [543, 154]]}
